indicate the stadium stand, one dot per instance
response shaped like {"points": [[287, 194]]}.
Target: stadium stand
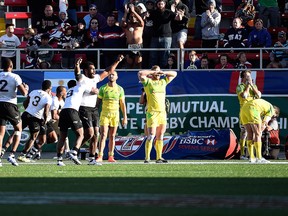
{"points": [[227, 16], [16, 3]]}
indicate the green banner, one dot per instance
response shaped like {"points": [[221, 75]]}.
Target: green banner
{"points": [[199, 113], [187, 113]]}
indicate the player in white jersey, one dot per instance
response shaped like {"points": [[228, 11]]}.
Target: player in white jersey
{"points": [[69, 117], [37, 106], [52, 131], [9, 84], [88, 112]]}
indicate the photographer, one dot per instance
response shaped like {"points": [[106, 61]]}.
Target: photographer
{"points": [[270, 137]]}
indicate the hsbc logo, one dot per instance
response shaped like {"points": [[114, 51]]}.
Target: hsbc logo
{"points": [[210, 141], [198, 141]]}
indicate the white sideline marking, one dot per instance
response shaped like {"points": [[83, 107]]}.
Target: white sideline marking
{"points": [[171, 162]]}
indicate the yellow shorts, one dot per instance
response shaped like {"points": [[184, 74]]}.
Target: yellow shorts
{"points": [[109, 119], [250, 115], [154, 119]]}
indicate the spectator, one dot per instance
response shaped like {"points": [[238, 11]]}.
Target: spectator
{"points": [[79, 33], [93, 13], [272, 131], [195, 62], [246, 12], [45, 56], [31, 48], [274, 62], [37, 8], [68, 42], [133, 29], [147, 32], [9, 41], [200, 8], [210, 22], [91, 39], [112, 36], [269, 11], [242, 62], [48, 21], [224, 62], [65, 19], [179, 27], [103, 7], [237, 36], [204, 62], [171, 62], [259, 36], [282, 55], [72, 10], [162, 33]]}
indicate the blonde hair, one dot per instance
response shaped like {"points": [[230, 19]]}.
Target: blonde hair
{"points": [[29, 31]]}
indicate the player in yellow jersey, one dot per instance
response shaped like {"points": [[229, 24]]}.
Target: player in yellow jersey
{"points": [[255, 115], [246, 91], [156, 116], [112, 97]]}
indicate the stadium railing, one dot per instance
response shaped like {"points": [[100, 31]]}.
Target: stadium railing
{"points": [[255, 54]]}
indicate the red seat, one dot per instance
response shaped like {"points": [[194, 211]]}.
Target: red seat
{"points": [[18, 15], [81, 55], [57, 58], [80, 15], [15, 3], [23, 44], [227, 14], [227, 3]]}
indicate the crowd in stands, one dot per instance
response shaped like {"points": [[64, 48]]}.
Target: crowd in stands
{"points": [[150, 24]]}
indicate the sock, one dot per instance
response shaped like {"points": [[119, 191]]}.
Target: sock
{"points": [[111, 154], [250, 148], [159, 148], [258, 148], [75, 150], [148, 148], [32, 152], [242, 146]]}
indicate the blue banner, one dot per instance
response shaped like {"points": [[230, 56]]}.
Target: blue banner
{"points": [[211, 144], [188, 82]]}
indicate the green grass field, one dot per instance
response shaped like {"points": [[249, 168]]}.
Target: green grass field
{"points": [[133, 188]]}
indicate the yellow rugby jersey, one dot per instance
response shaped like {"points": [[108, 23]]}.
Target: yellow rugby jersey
{"points": [[156, 93], [263, 107], [110, 97], [251, 95]]}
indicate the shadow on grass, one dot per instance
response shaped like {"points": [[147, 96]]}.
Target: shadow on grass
{"points": [[192, 186]]}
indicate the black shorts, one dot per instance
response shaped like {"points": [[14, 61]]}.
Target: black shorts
{"points": [[34, 124], [9, 112], [95, 117], [50, 127], [89, 117], [69, 118]]}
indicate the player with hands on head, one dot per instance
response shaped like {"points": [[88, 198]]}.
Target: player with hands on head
{"points": [[156, 116]]}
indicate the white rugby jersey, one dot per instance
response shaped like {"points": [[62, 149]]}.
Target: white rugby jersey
{"points": [[8, 87], [38, 100], [75, 94], [56, 105], [89, 100]]}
